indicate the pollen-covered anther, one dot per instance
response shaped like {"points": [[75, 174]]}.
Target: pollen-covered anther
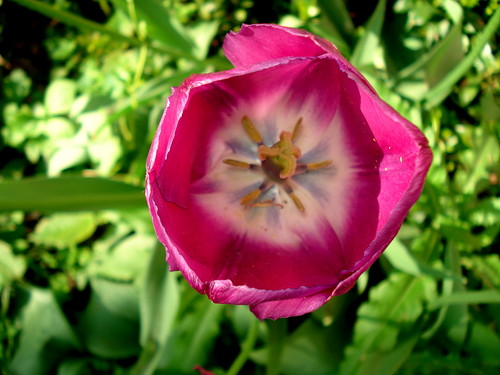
{"points": [[302, 168], [238, 163], [251, 130]]}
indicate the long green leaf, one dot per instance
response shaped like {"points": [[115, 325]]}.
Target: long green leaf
{"points": [[159, 306], [87, 25], [339, 18], [72, 19], [365, 50], [69, 194], [439, 92], [467, 298]]}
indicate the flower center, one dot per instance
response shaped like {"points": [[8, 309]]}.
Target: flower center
{"points": [[279, 163], [280, 160]]}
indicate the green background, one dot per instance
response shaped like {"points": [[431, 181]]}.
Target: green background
{"points": [[84, 286]]}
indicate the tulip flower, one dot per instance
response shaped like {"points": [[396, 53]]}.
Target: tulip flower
{"points": [[278, 183]]}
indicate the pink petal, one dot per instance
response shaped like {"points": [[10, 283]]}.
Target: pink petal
{"points": [[262, 43], [290, 307]]}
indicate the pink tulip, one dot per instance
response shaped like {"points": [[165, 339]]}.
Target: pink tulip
{"points": [[278, 183]]}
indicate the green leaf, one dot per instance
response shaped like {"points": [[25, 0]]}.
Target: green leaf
{"points": [[63, 230], [162, 27], [17, 85], [203, 34], [127, 260], [159, 306], [440, 91], [386, 321], [310, 349], [65, 157], [69, 194], [485, 268], [365, 50], [388, 363], [403, 260], [484, 343], [466, 298], [109, 326], [59, 96], [51, 11], [432, 66], [193, 337], [73, 367], [12, 267], [46, 335], [339, 21]]}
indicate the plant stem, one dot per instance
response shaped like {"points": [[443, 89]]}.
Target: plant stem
{"points": [[277, 335], [246, 348]]}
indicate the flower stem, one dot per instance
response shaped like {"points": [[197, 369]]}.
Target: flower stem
{"points": [[277, 331], [246, 348]]}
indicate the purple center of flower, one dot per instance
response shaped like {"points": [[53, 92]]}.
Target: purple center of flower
{"points": [[278, 162]]}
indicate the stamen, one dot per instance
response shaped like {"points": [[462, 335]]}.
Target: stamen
{"points": [[278, 163], [254, 194], [319, 165], [267, 204], [250, 197], [251, 131], [297, 202], [295, 199], [303, 168], [297, 129], [240, 164]]}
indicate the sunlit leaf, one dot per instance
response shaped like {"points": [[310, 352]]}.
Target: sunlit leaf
{"points": [[59, 96], [365, 52], [64, 229], [12, 267]]}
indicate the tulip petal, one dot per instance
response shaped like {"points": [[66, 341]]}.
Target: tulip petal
{"points": [[290, 307], [262, 43]]}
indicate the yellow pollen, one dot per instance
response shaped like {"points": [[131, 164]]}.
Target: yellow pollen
{"points": [[297, 202], [250, 129], [236, 163], [250, 197], [297, 129], [319, 165]]}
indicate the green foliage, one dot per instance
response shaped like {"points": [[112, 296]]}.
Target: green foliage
{"points": [[83, 284]]}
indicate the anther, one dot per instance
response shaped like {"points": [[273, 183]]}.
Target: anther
{"points": [[254, 194], [297, 202], [239, 164], [295, 199], [303, 168], [250, 197], [251, 131], [297, 129]]}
